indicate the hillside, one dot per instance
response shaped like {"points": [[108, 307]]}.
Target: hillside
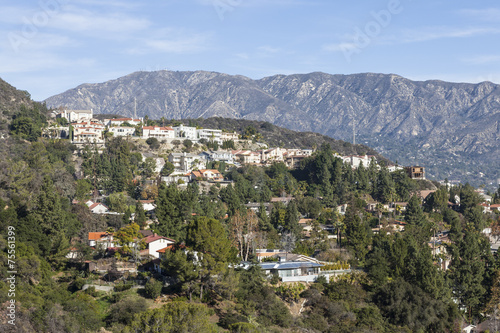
{"points": [[11, 100], [277, 136], [452, 128]]}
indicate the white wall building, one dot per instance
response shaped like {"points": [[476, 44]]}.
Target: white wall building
{"points": [[76, 115], [210, 135], [184, 162], [186, 132], [157, 132], [122, 131], [120, 121]]}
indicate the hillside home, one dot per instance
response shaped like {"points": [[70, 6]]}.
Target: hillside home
{"points": [[229, 136], [176, 179], [101, 239], [121, 121], [122, 131], [186, 132], [155, 243], [246, 156], [88, 132], [157, 132], [99, 208], [210, 135], [272, 155], [148, 205], [76, 115], [218, 156], [415, 172], [207, 174], [356, 160], [184, 162], [293, 271]]}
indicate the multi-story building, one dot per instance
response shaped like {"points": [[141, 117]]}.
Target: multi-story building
{"points": [[76, 115], [122, 131], [121, 121], [184, 162], [186, 132], [415, 172], [210, 135], [227, 136], [219, 156], [158, 132]]}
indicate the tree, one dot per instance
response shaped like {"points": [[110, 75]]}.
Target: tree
{"points": [[117, 202], [153, 143], [140, 216], [153, 288], [467, 270], [208, 237], [356, 233], [406, 305], [417, 223], [167, 169], [243, 230], [127, 236], [174, 317], [188, 144], [183, 266]]}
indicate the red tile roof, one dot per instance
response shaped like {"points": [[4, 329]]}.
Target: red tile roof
{"points": [[152, 238], [96, 235], [156, 127]]}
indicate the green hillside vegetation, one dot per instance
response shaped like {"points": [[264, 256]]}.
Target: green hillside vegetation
{"points": [[396, 284]]}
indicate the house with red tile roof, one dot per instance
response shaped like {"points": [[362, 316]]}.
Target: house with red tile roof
{"points": [[99, 208], [155, 242]]}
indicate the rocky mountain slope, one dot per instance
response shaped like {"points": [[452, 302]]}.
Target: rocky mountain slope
{"points": [[452, 128]]}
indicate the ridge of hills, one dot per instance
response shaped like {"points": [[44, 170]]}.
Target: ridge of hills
{"points": [[11, 100], [451, 128]]}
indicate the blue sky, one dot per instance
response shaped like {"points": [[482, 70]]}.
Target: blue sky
{"points": [[50, 46]]}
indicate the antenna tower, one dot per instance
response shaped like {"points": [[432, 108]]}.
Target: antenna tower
{"points": [[135, 107]]}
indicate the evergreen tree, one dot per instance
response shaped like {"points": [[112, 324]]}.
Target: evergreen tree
{"points": [[140, 216]]}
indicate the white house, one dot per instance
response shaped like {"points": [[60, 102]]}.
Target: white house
{"points": [[98, 208], [76, 115], [88, 132], [102, 239], [120, 121], [219, 156], [157, 132], [155, 243], [210, 135], [247, 156], [227, 136], [355, 160], [148, 205], [186, 132], [122, 131], [207, 174], [184, 162]]}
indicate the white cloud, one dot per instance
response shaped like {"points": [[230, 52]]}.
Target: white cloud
{"points": [[170, 40], [340, 47], [433, 33], [490, 14], [482, 59], [85, 21]]}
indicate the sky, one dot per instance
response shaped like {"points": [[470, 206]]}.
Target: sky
{"points": [[50, 46]]}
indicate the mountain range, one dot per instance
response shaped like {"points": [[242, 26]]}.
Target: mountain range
{"points": [[453, 129]]}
